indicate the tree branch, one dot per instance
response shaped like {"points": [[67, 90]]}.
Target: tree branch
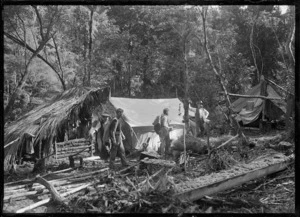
{"points": [[40, 20], [32, 50], [220, 79]]}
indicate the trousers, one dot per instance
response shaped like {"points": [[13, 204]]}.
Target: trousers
{"points": [[164, 140], [119, 151]]}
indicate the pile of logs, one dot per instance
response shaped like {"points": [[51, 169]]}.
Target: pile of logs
{"points": [[58, 188], [67, 148]]}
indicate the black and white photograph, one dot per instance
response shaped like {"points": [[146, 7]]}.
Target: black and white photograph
{"points": [[165, 109]]}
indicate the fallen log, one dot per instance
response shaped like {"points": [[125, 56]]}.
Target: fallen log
{"points": [[42, 202], [216, 182]]}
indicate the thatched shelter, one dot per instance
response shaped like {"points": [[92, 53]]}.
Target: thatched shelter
{"points": [[48, 122]]}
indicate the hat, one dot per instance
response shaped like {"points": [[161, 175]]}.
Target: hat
{"points": [[120, 110], [166, 109]]}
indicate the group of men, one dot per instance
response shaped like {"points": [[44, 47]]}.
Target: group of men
{"points": [[112, 135], [201, 120], [111, 138]]}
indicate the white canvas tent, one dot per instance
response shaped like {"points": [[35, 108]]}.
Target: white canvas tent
{"points": [[140, 114]]}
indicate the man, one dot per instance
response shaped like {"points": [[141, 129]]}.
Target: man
{"points": [[105, 134], [201, 118], [117, 147], [164, 132], [94, 133]]}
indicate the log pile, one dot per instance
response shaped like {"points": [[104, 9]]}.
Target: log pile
{"points": [[67, 148], [58, 188]]}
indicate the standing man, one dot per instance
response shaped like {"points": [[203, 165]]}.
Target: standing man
{"points": [[201, 117], [164, 132], [115, 134], [103, 137]]}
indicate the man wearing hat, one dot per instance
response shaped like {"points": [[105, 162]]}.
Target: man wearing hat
{"points": [[164, 132], [115, 134]]}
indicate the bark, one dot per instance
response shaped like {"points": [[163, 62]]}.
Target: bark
{"points": [[220, 79]]}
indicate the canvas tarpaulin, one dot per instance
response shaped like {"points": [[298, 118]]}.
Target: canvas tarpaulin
{"points": [[249, 109], [140, 114]]}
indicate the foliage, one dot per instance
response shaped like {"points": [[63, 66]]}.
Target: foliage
{"points": [[143, 51]]}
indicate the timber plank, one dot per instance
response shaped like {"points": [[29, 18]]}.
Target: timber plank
{"points": [[216, 182]]}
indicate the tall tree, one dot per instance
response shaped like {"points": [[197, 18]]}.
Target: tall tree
{"points": [[52, 13]]}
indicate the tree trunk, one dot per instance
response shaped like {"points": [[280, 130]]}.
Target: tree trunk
{"points": [[186, 88], [21, 83], [220, 79], [61, 77], [289, 45], [90, 47], [252, 48]]}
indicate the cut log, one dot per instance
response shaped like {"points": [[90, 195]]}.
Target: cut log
{"points": [[216, 182], [72, 148], [74, 141], [42, 202]]}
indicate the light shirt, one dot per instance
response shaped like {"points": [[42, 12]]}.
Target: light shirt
{"points": [[164, 121]]}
